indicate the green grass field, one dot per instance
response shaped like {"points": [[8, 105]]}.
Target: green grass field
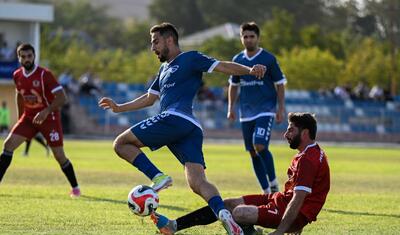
{"points": [[364, 196]]}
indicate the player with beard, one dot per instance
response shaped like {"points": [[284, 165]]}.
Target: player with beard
{"points": [[289, 211], [258, 104], [177, 82], [39, 98]]}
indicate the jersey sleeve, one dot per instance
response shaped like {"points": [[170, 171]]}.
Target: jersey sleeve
{"points": [[203, 63], [306, 174], [50, 82], [277, 76], [155, 86]]}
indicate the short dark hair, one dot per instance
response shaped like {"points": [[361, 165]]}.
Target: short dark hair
{"points": [[250, 26], [166, 29], [25, 47], [304, 121]]}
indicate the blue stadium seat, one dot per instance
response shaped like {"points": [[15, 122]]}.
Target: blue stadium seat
{"points": [[334, 115]]}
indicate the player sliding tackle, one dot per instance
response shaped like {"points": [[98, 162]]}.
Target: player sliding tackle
{"points": [[177, 82], [289, 211]]}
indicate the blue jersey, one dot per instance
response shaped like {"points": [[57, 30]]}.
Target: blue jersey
{"points": [[258, 97], [178, 81]]}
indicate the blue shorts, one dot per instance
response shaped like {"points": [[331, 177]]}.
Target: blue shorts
{"points": [[257, 131], [182, 137]]}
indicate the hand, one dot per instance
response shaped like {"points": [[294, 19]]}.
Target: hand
{"points": [[279, 116], [258, 70], [108, 103], [231, 116], [41, 116]]}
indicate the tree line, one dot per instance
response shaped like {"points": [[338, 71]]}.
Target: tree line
{"points": [[319, 43]]}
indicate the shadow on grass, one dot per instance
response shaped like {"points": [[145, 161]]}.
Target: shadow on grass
{"points": [[100, 199], [360, 213]]}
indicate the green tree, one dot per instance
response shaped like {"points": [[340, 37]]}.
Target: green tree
{"points": [[145, 65], [337, 42], [367, 63], [135, 38], [305, 12], [184, 14], [311, 35], [221, 49], [80, 20], [81, 16], [236, 11], [386, 13], [279, 33], [309, 68]]}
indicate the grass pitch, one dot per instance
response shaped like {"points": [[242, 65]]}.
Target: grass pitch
{"points": [[364, 196]]}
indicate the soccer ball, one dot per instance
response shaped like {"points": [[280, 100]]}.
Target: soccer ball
{"points": [[142, 200]]}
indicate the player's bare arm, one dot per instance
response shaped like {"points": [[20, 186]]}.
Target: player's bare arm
{"points": [[232, 96], [60, 98], [20, 104], [280, 114], [291, 211], [143, 101], [232, 68]]}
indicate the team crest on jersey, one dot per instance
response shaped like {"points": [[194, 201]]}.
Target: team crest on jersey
{"points": [[167, 72], [36, 83]]}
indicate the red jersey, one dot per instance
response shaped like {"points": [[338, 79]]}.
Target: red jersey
{"points": [[37, 88], [309, 171]]}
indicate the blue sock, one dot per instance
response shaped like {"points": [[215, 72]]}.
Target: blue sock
{"points": [[146, 166], [162, 221], [259, 169], [216, 204], [268, 160]]}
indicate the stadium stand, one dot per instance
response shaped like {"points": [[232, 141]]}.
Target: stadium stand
{"points": [[339, 120]]}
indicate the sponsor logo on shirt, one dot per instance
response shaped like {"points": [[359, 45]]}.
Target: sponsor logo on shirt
{"points": [[251, 83], [168, 85], [32, 99]]}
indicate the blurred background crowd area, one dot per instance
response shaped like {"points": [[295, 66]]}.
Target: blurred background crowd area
{"points": [[340, 58]]}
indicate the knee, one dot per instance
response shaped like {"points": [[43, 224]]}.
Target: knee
{"points": [[117, 145], [9, 145], [239, 214], [259, 147], [232, 203]]}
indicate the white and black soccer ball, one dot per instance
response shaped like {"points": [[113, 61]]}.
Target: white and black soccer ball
{"points": [[143, 200]]}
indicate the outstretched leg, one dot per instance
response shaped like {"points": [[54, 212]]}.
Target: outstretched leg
{"points": [[201, 216], [127, 146], [198, 183], [10, 144]]}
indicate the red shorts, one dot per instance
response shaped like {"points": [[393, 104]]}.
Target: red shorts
{"points": [[271, 208], [51, 129]]}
